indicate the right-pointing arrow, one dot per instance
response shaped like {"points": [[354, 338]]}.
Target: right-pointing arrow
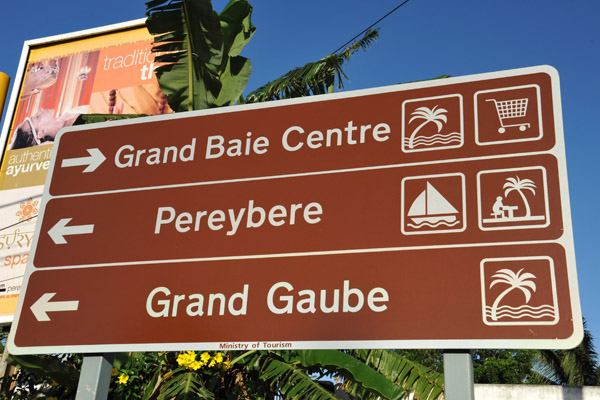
{"points": [[92, 161], [43, 306], [60, 230]]}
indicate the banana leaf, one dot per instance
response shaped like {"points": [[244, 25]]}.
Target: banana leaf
{"points": [[197, 51], [425, 383], [353, 369], [291, 380]]}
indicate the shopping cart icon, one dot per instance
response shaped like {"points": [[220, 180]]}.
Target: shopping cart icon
{"points": [[509, 109]]}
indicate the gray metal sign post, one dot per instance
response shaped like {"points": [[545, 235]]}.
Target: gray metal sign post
{"points": [[458, 375], [95, 377]]}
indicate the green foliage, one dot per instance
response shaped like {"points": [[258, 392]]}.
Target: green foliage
{"points": [[198, 51], [184, 384], [432, 359], [64, 372], [200, 66], [43, 376], [317, 77], [574, 367], [363, 377], [503, 366], [409, 375], [142, 371], [96, 118], [291, 380]]}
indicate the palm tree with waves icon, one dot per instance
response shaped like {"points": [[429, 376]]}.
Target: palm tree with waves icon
{"points": [[523, 282], [435, 115], [519, 185]]}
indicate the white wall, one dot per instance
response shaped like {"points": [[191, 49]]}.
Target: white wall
{"points": [[535, 392]]}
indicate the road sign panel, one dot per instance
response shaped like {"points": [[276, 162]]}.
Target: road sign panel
{"points": [[353, 210], [386, 126], [450, 192], [366, 309]]}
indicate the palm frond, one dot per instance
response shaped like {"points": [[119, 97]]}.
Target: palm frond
{"points": [[372, 383], [317, 77], [574, 367], [292, 381], [184, 385], [425, 383]]}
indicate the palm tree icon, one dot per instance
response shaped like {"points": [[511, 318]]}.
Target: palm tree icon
{"points": [[522, 282], [435, 115], [519, 185]]}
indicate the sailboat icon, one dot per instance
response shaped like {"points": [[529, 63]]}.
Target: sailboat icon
{"points": [[431, 209]]}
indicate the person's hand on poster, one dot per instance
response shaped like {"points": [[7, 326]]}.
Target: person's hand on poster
{"points": [[41, 76]]}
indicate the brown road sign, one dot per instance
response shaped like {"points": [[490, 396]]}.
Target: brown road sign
{"points": [[374, 209], [390, 298], [403, 124], [433, 214]]}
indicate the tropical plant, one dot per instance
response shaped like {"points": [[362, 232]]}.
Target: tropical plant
{"points": [[42, 376], [319, 77], [519, 185], [502, 366], [514, 281], [423, 382], [435, 115], [574, 367], [200, 66], [198, 51], [308, 374]]}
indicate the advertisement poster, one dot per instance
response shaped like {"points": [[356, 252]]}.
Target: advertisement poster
{"points": [[105, 72]]}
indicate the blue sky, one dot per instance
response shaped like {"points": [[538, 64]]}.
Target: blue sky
{"points": [[423, 39]]}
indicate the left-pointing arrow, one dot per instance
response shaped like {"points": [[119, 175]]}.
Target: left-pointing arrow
{"points": [[60, 230], [92, 161], [43, 306]]}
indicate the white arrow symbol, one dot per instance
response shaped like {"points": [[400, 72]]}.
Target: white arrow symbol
{"points": [[60, 230], [43, 305], [92, 161]]}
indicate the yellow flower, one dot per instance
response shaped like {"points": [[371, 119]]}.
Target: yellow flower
{"points": [[195, 365], [219, 358], [185, 359], [205, 357], [212, 363], [188, 360], [226, 365], [122, 379]]}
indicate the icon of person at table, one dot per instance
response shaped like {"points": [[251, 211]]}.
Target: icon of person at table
{"points": [[499, 210], [515, 197]]}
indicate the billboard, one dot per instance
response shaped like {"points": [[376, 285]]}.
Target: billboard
{"points": [[106, 70]]}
